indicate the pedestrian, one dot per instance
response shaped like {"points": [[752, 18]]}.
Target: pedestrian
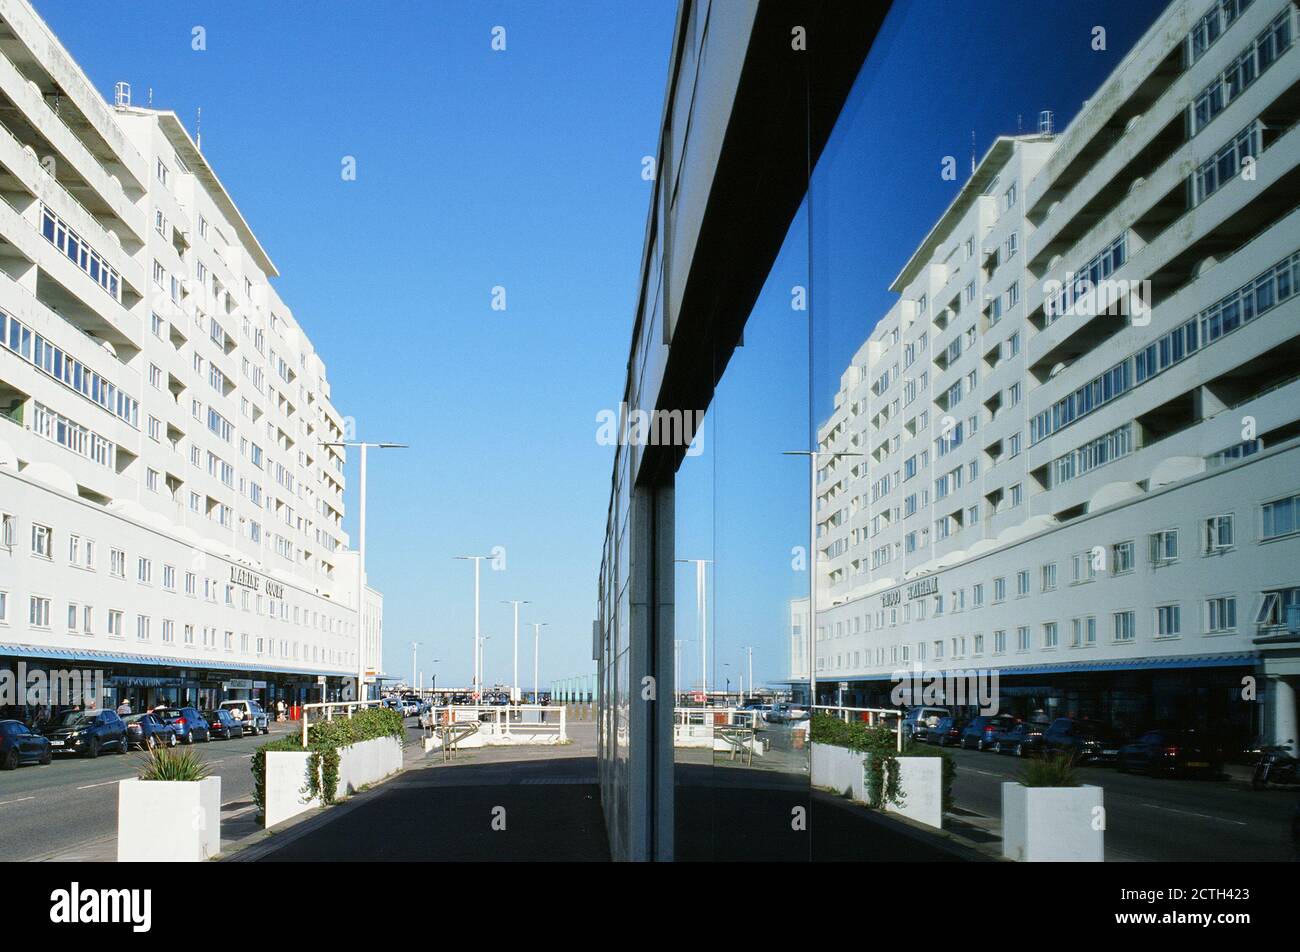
{"points": [[124, 708], [279, 710]]}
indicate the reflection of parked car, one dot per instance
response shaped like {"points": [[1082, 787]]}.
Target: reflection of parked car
{"points": [[982, 732], [18, 745], [918, 721], [1024, 739], [188, 724], [87, 733], [1084, 740], [1171, 751], [148, 730], [222, 724], [250, 713], [946, 733]]}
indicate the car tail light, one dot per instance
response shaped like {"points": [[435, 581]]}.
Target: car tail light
{"points": [[1171, 750], [179, 722]]}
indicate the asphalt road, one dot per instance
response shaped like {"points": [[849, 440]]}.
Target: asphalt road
{"points": [[1150, 818], [54, 812]]}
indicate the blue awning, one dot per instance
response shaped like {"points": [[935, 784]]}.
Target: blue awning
{"points": [[93, 656], [1234, 660]]}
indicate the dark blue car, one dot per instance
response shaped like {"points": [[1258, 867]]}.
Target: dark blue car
{"points": [[187, 723], [148, 731], [18, 745], [221, 724]]}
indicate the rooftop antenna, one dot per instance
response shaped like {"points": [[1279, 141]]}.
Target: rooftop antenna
{"points": [[1045, 122], [1020, 122], [122, 95], [972, 152], [198, 129], [150, 97]]}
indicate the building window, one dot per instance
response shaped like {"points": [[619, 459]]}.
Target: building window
{"points": [[142, 628], [1218, 533], [117, 563], [1280, 517], [42, 541], [144, 570], [1222, 612], [4, 608], [1022, 638], [1125, 626], [1051, 635], [1122, 557], [38, 612], [1164, 546], [115, 624], [1049, 576], [1000, 642], [999, 590], [1274, 609], [1022, 582], [1168, 621]]}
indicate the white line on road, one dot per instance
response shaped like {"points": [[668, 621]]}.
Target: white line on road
{"points": [[1203, 816], [19, 800], [91, 786]]}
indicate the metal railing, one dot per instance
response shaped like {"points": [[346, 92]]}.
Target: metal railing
{"points": [[513, 722], [329, 707], [874, 716]]}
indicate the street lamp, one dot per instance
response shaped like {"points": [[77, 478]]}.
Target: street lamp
{"points": [[537, 630], [749, 654], [702, 619], [414, 648], [813, 457], [361, 553], [477, 686], [514, 685]]}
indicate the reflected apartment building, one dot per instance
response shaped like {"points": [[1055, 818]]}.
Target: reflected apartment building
{"points": [[1077, 432], [169, 513]]}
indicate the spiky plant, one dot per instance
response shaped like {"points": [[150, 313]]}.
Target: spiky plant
{"points": [[162, 763]]}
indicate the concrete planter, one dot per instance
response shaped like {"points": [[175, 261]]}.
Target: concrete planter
{"points": [[359, 765], [168, 821], [1052, 824], [920, 781]]}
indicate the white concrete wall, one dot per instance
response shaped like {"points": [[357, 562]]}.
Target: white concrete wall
{"points": [[359, 765], [168, 822]]}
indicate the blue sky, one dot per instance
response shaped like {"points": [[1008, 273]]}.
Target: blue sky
{"points": [[475, 168], [521, 169]]}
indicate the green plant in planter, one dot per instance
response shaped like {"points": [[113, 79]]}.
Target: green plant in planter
{"points": [[880, 743], [173, 765], [1054, 770]]}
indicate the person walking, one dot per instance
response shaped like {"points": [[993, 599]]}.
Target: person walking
{"points": [[124, 708]]}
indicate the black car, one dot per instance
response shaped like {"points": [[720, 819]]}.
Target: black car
{"points": [[221, 724], [18, 745], [86, 733], [148, 730], [1024, 739], [187, 723], [982, 731], [1171, 751], [946, 732], [1085, 741]]}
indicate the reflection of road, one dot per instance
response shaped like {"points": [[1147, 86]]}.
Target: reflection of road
{"points": [[1148, 818]]}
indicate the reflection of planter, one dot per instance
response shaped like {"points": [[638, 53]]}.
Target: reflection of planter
{"points": [[359, 764], [161, 821], [920, 781], [1051, 824]]}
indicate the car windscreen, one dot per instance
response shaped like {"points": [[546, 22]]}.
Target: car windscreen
{"points": [[1094, 731], [72, 718]]}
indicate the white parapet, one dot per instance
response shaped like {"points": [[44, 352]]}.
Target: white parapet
{"points": [[163, 821], [359, 764], [1053, 824]]}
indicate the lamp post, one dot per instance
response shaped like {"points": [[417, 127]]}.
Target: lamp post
{"points": [[477, 687], [514, 684], [414, 649], [702, 618], [537, 631], [361, 554], [813, 457], [749, 656]]}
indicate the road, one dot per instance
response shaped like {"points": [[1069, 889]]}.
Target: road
{"points": [[55, 812], [1149, 818]]}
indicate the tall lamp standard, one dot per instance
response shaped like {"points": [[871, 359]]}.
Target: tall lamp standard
{"points": [[814, 456], [415, 645], [434, 687], [477, 686], [537, 630], [702, 618], [514, 685], [749, 655], [361, 553]]}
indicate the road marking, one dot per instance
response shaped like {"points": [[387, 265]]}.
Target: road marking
{"points": [[91, 786], [1203, 816], [986, 773], [19, 800]]}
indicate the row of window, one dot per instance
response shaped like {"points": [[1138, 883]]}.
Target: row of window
{"points": [[1262, 53], [80, 253], [59, 429]]}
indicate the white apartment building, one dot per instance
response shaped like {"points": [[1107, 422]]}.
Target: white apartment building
{"points": [[1102, 504], [169, 511]]}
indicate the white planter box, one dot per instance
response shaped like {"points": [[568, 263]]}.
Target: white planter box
{"points": [[359, 765], [1053, 824], [920, 781], [168, 821]]}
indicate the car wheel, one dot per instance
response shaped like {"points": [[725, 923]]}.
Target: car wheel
{"points": [[997, 747], [11, 760], [46, 757], [171, 740], [150, 742], [189, 738], [122, 746], [93, 750], [1020, 750]]}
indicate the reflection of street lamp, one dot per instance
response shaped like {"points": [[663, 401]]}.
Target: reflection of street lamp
{"points": [[361, 553], [434, 687], [476, 559], [702, 618], [537, 630], [514, 684], [813, 457]]}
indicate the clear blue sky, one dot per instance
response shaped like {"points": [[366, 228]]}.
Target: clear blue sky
{"points": [[475, 168], [522, 169]]}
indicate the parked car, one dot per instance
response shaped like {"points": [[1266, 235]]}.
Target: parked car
{"points": [[86, 733], [188, 724], [148, 730], [1024, 739], [251, 714], [18, 745], [221, 723], [946, 733], [918, 721], [1171, 751], [1084, 740], [982, 732]]}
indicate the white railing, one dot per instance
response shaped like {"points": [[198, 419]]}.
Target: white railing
{"points": [[717, 717], [727, 729], [875, 715], [329, 708], [505, 723]]}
